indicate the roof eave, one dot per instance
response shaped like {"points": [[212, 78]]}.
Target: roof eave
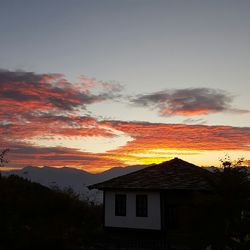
{"points": [[148, 189]]}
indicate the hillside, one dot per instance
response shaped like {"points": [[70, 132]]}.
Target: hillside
{"points": [[35, 217]]}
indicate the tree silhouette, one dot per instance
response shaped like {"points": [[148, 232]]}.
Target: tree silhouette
{"points": [[2, 157], [233, 193]]}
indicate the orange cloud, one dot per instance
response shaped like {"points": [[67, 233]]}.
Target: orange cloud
{"points": [[185, 112], [188, 102], [46, 106], [23, 93], [176, 137], [197, 137], [147, 139]]}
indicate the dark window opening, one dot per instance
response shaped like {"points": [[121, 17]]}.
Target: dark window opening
{"points": [[120, 205], [141, 205], [171, 214]]}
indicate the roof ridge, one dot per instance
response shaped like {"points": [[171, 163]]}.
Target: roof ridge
{"points": [[173, 174]]}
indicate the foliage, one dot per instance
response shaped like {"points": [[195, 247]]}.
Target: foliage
{"points": [[35, 217], [3, 157], [231, 205]]}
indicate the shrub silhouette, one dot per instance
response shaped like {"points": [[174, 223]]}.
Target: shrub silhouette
{"points": [[35, 217], [226, 222]]}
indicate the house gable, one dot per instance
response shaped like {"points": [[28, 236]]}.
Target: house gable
{"points": [[175, 174]]}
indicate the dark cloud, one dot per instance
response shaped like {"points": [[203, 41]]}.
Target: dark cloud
{"points": [[23, 154], [26, 77], [29, 92], [190, 101], [73, 158]]}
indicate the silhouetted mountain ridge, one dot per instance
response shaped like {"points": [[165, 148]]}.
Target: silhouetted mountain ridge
{"points": [[77, 179], [66, 177]]}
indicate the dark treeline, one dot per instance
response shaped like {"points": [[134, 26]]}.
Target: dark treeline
{"points": [[225, 223], [35, 217]]}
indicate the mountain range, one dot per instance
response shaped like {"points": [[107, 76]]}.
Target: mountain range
{"points": [[76, 179]]}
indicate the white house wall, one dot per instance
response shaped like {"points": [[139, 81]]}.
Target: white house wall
{"points": [[152, 221]]}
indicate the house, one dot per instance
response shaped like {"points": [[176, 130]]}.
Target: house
{"points": [[162, 200]]}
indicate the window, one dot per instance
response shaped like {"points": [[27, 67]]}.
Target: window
{"points": [[171, 216], [120, 205], [141, 205]]}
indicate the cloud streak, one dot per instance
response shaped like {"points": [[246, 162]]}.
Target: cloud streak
{"points": [[197, 137], [27, 92], [187, 102], [147, 138], [23, 154]]}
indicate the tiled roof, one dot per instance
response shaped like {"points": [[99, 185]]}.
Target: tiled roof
{"points": [[175, 174]]}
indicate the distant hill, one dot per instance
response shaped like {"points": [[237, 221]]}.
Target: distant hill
{"points": [[66, 177], [77, 179]]}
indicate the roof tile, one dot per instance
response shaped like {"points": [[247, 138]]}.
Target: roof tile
{"points": [[175, 174]]}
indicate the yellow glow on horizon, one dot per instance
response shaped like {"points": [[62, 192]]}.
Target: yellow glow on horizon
{"points": [[197, 157], [154, 156], [147, 157]]}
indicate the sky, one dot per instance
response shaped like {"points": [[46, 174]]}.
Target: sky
{"points": [[102, 83]]}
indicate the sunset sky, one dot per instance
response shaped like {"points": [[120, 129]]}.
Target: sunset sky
{"points": [[102, 83]]}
